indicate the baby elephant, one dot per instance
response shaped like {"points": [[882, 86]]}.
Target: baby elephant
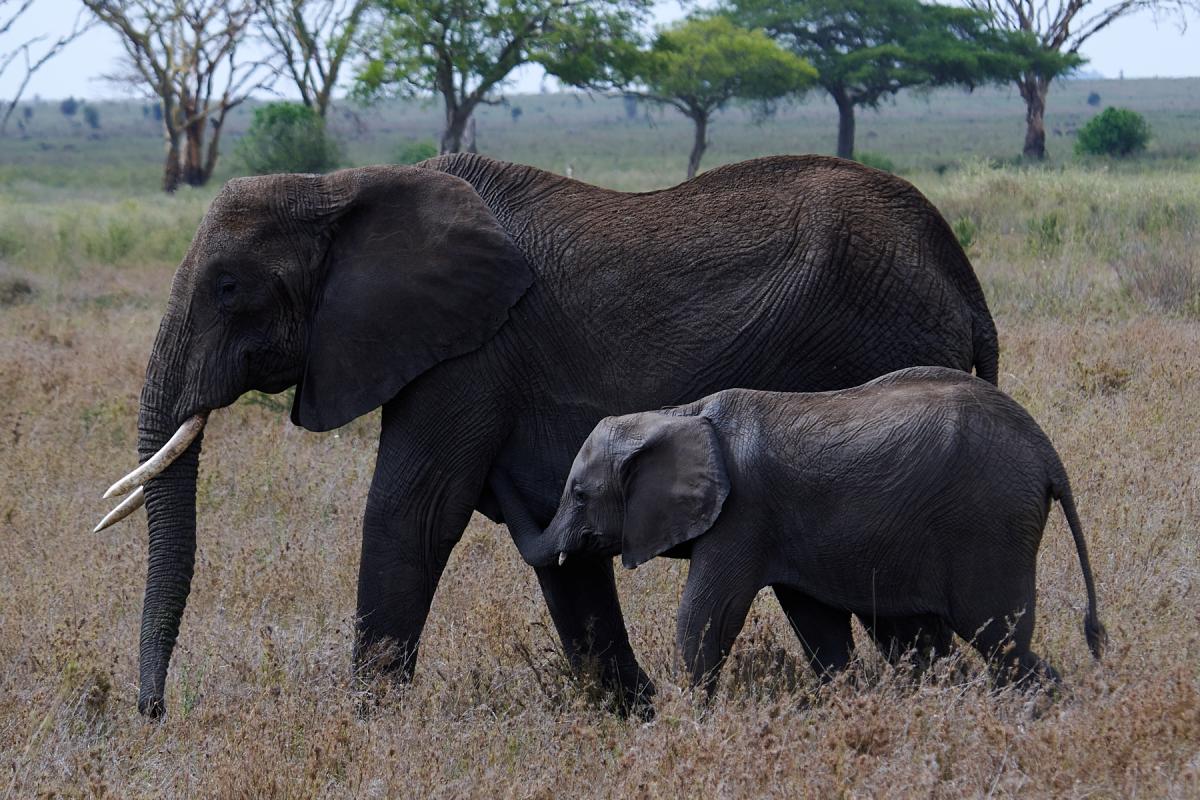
{"points": [[916, 501]]}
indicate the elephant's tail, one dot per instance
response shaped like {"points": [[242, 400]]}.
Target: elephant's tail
{"points": [[1093, 630], [986, 347]]}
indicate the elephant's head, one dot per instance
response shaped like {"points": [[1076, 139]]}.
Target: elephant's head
{"points": [[347, 286], [640, 485]]}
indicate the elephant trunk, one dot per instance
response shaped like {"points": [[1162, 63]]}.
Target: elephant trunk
{"points": [[171, 512]]}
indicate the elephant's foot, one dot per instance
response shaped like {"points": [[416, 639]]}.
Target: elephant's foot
{"points": [[622, 686], [635, 694], [376, 655]]}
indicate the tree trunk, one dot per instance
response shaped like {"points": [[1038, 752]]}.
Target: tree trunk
{"points": [[171, 175], [1033, 91], [699, 144], [845, 139], [452, 135], [214, 152], [470, 142], [193, 161]]}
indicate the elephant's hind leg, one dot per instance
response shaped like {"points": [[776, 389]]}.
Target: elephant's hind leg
{"points": [[926, 636], [1002, 632], [824, 631]]}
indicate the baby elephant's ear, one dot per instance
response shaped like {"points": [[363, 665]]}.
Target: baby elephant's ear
{"points": [[674, 483]]}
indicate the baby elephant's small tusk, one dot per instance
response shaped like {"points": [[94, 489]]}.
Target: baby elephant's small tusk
{"points": [[127, 506], [170, 451], [562, 558]]}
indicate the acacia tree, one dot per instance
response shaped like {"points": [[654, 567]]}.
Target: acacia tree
{"points": [[465, 50], [185, 54], [700, 65], [868, 50], [29, 54], [311, 40], [1060, 28]]}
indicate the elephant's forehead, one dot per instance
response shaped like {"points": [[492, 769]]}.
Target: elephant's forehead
{"points": [[240, 205]]}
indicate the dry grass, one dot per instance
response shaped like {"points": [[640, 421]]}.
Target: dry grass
{"points": [[260, 699]]}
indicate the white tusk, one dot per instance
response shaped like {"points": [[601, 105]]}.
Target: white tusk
{"points": [[170, 451], [128, 506], [562, 558]]}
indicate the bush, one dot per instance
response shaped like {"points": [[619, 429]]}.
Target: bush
{"points": [[287, 137], [412, 152], [1113, 132], [966, 230], [876, 160]]}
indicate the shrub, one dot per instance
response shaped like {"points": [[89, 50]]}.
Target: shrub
{"points": [[92, 117], [412, 152], [966, 230], [1045, 234], [1113, 132], [1093, 99], [876, 160], [287, 137]]}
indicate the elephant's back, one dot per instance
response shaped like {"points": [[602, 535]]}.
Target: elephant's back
{"points": [[932, 419], [793, 273]]}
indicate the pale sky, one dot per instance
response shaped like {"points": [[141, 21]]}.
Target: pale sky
{"points": [[1135, 46]]}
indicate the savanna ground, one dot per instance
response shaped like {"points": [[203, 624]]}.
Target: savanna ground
{"points": [[1092, 272]]}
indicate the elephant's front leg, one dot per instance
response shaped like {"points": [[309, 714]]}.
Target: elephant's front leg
{"points": [[716, 600], [421, 498], [582, 598], [403, 557]]}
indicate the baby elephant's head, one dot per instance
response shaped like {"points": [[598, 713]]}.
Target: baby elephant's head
{"points": [[641, 485]]}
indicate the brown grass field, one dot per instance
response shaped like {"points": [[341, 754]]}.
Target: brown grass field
{"points": [[1096, 286]]}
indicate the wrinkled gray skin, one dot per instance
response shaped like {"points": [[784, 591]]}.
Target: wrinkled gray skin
{"points": [[496, 312], [916, 501]]}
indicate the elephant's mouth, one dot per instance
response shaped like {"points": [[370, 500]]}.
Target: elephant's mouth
{"points": [[153, 466]]}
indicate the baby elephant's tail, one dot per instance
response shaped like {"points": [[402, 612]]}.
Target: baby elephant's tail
{"points": [[1097, 637]]}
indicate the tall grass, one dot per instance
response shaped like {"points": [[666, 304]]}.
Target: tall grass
{"points": [[54, 234]]}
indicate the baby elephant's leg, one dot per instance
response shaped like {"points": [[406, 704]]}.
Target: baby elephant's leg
{"points": [[1000, 626], [711, 614], [925, 635], [824, 631]]}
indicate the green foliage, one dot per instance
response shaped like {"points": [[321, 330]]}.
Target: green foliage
{"points": [[703, 63], [966, 230], [876, 160], [1045, 234], [287, 137], [1113, 132], [413, 152], [868, 50], [466, 50], [871, 49]]}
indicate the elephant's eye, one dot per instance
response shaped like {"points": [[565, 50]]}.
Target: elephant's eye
{"points": [[227, 287], [579, 494]]}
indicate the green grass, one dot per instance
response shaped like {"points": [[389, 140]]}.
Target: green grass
{"points": [[934, 131]]}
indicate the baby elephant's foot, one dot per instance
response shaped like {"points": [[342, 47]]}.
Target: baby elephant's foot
{"points": [[1029, 671]]}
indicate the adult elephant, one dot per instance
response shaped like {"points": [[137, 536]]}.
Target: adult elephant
{"points": [[496, 312]]}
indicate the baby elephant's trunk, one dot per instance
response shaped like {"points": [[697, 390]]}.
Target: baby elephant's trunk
{"points": [[1093, 630]]}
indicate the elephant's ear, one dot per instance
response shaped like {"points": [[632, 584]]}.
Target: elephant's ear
{"points": [[417, 271], [674, 485]]}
